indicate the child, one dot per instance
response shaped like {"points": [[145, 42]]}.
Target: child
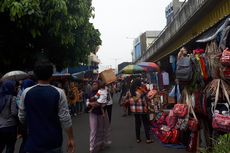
{"points": [[101, 97]]}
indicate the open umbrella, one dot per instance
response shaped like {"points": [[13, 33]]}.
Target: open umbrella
{"points": [[15, 75], [132, 69], [150, 66]]}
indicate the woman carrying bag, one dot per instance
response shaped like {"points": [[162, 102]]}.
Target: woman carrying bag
{"points": [[138, 107]]}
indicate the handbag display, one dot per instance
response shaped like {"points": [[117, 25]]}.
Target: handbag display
{"points": [[225, 58], [171, 119], [226, 72], [184, 70], [221, 119], [166, 137], [180, 110], [175, 139], [193, 123]]}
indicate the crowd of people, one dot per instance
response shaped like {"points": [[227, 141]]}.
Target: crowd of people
{"points": [[37, 111]]}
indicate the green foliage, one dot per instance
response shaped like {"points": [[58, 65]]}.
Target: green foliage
{"points": [[58, 29], [221, 145]]}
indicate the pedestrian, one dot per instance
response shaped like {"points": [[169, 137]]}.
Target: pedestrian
{"points": [[8, 116], [99, 123], [44, 110], [138, 106], [73, 98], [21, 129]]}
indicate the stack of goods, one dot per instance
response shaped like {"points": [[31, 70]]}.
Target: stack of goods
{"points": [[170, 129]]}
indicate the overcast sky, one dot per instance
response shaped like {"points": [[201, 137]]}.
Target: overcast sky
{"points": [[119, 21]]}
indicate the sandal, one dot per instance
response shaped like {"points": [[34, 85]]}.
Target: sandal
{"points": [[138, 140], [149, 141]]}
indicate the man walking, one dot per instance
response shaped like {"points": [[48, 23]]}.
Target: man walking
{"points": [[44, 111]]}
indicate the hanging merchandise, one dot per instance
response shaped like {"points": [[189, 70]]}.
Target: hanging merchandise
{"points": [[193, 123], [213, 54], [221, 119], [165, 77], [184, 70], [174, 95], [192, 145], [225, 58]]}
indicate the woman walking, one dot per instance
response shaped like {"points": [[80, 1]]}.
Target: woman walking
{"points": [[138, 106], [8, 116]]}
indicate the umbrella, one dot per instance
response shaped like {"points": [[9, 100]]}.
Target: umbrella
{"points": [[131, 69], [150, 66], [15, 75]]}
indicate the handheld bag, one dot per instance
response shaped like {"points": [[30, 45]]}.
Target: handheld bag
{"points": [[221, 122]]}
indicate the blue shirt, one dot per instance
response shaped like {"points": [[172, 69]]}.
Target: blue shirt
{"points": [[44, 109]]}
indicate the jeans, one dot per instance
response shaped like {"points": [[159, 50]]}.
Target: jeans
{"points": [[8, 136], [109, 110], [144, 119]]}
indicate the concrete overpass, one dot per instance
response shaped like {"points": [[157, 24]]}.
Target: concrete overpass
{"points": [[193, 19]]}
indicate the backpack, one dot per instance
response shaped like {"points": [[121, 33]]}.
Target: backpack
{"points": [[184, 70]]}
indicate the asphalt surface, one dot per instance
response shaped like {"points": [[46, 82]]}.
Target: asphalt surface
{"points": [[123, 135]]}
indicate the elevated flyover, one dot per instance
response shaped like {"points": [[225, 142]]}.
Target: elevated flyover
{"points": [[193, 19]]}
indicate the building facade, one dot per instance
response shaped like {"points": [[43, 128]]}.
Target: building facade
{"points": [[142, 43]]}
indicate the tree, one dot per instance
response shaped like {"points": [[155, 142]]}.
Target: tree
{"points": [[57, 29]]}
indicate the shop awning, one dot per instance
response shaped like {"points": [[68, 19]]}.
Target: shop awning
{"points": [[214, 32]]}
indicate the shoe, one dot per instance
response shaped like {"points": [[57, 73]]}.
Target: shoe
{"points": [[138, 140], [148, 141]]}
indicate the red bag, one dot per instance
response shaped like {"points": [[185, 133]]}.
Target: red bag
{"points": [[171, 119], [162, 118], [193, 124], [225, 58], [221, 122], [166, 137], [175, 137], [226, 72], [192, 146], [157, 132], [198, 51], [180, 110]]}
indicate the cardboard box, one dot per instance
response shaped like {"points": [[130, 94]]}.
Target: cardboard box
{"points": [[108, 76]]}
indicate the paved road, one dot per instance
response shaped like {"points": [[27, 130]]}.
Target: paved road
{"points": [[123, 135]]}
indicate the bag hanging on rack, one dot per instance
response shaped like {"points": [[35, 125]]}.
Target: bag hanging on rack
{"points": [[184, 70], [225, 58], [226, 72], [193, 123], [221, 120]]}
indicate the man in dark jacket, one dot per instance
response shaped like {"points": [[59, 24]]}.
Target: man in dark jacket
{"points": [[44, 110]]}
